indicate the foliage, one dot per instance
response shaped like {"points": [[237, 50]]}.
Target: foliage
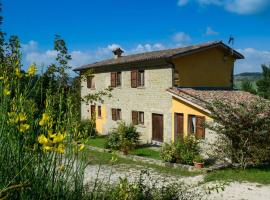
{"points": [[140, 190], [243, 131], [264, 83], [247, 86], [168, 152], [198, 159], [87, 129], [124, 137], [181, 151]]}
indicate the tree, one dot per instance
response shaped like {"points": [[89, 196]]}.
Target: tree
{"points": [[264, 83], [247, 86], [243, 129]]}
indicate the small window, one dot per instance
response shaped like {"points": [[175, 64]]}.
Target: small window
{"points": [[116, 79], [191, 124], [118, 82], [116, 114], [137, 117], [90, 82], [99, 111], [141, 78], [93, 111], [141, 117]]}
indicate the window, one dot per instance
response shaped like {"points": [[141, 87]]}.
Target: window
{"points": [[90, 82], [137, 78], [116, 79], [99, 111], [191, 124], [93, 111], [116, 114], [196, 126], [141, 78], [137, 117]]}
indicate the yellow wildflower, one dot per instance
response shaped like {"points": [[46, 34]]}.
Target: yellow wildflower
{"points": [[50, 133], [61, 168], [1, 78], [22, 117], [24, 127], [59, 138], [18, 72], [44, 119], [7, 92], [81, 147], [43, 140], [47, 148], [32, 70], [60, 148]]}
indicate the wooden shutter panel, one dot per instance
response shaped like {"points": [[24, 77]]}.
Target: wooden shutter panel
{"points": [[135, 117], [200, 129], [114, 114], [134, 78], [89, 81], [113, 79]]}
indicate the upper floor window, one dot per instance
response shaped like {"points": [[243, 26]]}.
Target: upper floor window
{"points": [[137, 78], [90, 82], [137, 117], [99, 111], [116, 114], [196, 126], [116, 79]]}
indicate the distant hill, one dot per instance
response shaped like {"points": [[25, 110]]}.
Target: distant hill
{"points": [[250, 76]]}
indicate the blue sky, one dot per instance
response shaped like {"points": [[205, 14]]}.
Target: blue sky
{"points": [[93, 28]]}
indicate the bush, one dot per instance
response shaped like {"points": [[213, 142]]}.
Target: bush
{"points": [[124, 137], [168, 152], [181, 151], [243, 129], [87, 129]]}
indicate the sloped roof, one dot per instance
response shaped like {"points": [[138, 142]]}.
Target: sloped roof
{"points": [[162, 54], [201, 97]]}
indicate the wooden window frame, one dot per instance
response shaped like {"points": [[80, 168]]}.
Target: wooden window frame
{"points": [[141, 78], [93, 111], [198, 127], [90, 82], [116, 79], [137, 117], [116, 114], [99, 112]]}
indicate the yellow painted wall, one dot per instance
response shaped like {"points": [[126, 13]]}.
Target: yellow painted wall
{"points": [[205, 69], [179, 106], [100, 121]]}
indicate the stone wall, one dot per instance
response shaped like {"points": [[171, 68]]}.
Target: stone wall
{"points": [[152, 98]]}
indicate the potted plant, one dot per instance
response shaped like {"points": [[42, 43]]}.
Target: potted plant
{"points": [[198, 162]]}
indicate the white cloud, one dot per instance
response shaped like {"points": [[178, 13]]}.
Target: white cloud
{"points": [[236, 6], [210, 32], [181, 38], [182, 2], [30, 46], [253, 60], [146, 47]]}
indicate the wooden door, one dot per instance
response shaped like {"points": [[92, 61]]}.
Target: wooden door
{"points": [[178, 126], [200, 129], [157, 127]]}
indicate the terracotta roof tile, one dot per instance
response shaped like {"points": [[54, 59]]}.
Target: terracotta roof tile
{"points": [[155, 55], [201, 97]]}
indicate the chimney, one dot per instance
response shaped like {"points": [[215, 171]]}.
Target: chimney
{"points": [[117, 52]]}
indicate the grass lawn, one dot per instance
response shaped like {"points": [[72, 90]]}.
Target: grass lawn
{"points": [[98, 141], [148, 152], [257, 175], [104, 158]]}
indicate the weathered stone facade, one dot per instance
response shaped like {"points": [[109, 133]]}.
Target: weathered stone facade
{"points": [[152, 98]]}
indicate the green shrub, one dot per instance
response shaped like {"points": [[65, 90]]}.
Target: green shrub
{"points": [[168, 152], [87, 129], [124, 137], [181, 151], [187, 150]]}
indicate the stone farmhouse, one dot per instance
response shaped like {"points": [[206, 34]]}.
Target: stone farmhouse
{"points": [[164, 93]]}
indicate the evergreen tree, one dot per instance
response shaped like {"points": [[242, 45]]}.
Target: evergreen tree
{"points": [[264, 83]]}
